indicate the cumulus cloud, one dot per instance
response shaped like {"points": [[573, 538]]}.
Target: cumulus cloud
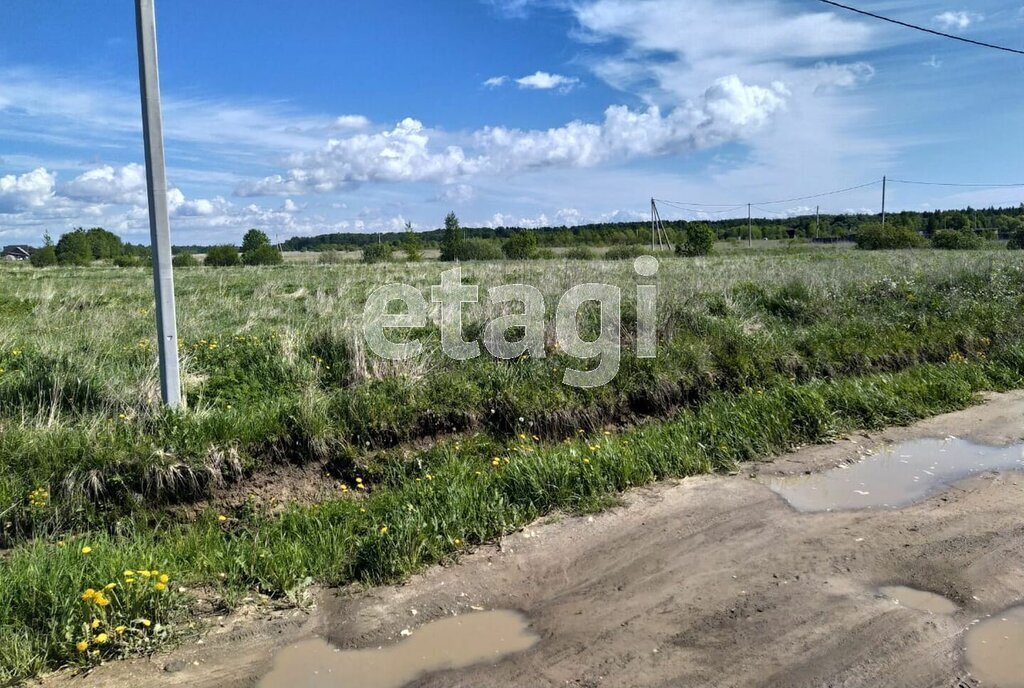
{"points": [[538, 81], [351, 122], [30, 190], [543, 81], [957, 20], [106, 184], [457, 193], [727, 110], [830, 75]]}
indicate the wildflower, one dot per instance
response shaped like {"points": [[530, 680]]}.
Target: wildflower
{"points": [[362, 511], [101, 600], [429, 477], [222, 518], [383, 530], [145, 622], [81, 646], [128, 573], [164, 578], [95, 623], [457, 541], [119, 629], [110, 586], [586, 460], [86, 549], [496, 462], [160, 587], [101, 638], [88, 594]]}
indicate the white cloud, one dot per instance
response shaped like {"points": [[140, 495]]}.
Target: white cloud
{"points": [[351, 122], [30, 190], [496, 81], [831, 75], [728, 110], [543, 81], [457, 193], [106, 184], [957, 20]]}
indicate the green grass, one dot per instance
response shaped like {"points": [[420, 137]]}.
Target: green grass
{"points": [[757, 354]]}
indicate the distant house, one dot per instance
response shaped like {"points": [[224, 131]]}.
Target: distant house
{"points": [[17, 252]]}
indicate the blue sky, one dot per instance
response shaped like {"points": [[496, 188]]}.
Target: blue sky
{"points": [[312, 117]]}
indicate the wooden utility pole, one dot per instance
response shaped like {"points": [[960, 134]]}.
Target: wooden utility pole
{"points": [[156, 187], [750, 228], [654, 212], [883, 201], [817, 220]]}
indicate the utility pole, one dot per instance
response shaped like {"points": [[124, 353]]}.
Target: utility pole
{"points": [[817, 221], [750, 229], [883, 202], [653, 230], [156, 187]]}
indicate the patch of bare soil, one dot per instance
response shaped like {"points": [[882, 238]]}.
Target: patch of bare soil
{"points": [[710, 581]]}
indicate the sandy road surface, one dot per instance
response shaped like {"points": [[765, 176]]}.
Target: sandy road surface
{"points": [[711, 581]]}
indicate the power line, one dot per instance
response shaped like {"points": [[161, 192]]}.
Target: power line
{"points": [[820, 195], [702, 205], [975, 186], [924, 29]]}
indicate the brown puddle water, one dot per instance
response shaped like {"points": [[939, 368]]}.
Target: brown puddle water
{"points": [[900, 475], [920, 600], [451, 643], [995, 650]]}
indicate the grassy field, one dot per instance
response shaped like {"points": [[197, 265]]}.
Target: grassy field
{"points": [[758, 352]]}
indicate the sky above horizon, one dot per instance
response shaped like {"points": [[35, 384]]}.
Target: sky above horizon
{"points": [[315, 117]]}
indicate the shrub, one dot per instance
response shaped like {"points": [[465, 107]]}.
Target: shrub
{"points": [[699, 241], [479, 249], [951, 239], [263, 255], [451, 242], [44, 257], [877, 237], [377, 253], [1016, 240], [222, 256], [626, 252], [184, 260], [126, 260], [579, 253], [520, 246]]}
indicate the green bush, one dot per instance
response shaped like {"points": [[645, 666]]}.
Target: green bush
{"points": [[126, 260], [1017, 240], [377, 253], [262, 255], [951, 239], [877, 238], [520, 246], [627, 252], [184, 260], [579, 253], [699, 241], [479, 249], [222, 256], [44, 257]]}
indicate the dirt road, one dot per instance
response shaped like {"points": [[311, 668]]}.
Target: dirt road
{"points": [[712, 581]]}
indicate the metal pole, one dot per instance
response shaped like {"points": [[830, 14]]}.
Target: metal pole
{"points": [[750, 230], [156, 185], [883, 202]]}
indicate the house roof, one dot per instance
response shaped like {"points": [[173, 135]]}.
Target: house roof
{"points": [[18, 250]]}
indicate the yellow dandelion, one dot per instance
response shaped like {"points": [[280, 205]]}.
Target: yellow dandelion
{"points": [[383, 530], [128, 573], [145, 622], [95, 623], [119, 629], [101, 638], [110, 586], [222, 518], [81, 646], [164, 578], [86, 549], [88, 594], [160, 587], [457, 541]]}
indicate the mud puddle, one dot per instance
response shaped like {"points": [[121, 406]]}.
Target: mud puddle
{"points": [[451, 643], [995, 650], [920, 600], [900, 475]]}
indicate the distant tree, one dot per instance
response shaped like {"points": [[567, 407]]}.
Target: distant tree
{"points": [[452, 239], [1016, 239], [377, 253], [699, 240], [257, 250], [254, 239], [874, 237], [412, 245], [479, 249], [74, 248], [579, 253], [46, 256], [222, 256], [184, 260], [103, 244], [520, 246], [956, 239]]}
